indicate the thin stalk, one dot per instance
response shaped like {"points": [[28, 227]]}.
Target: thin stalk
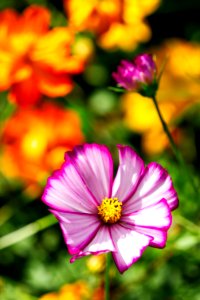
{"points": [[173, 146], [26, 231], [166, 130], [107, 277], [187, 224]]}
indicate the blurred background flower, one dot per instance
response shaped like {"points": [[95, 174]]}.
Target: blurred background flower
{"points": [[34, 141], [112, 20], [96, 263], [75, 291], [35, 59]]}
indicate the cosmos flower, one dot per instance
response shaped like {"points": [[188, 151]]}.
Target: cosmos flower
{"points": [[98, 214], [34, 59], [136, 75]]}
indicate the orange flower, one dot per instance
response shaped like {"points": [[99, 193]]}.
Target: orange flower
{"points": [[179, 89], [111, 20], [72, 291], [35, 60], [99, 293], [34, 141]]}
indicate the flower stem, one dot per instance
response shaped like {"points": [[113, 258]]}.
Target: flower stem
{"points": [[173, 145], [187, 224], [107, 277], [26, 231], [165, 128]]}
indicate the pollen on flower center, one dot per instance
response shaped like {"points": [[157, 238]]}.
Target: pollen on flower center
{"points": [[110, 210]]}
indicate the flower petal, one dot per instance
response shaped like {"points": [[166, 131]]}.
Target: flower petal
{"points": [[26, 92], [53, 50], [78, 229], [101, 243], [95, 166], [129, 172], [157, 215], [53, 84], [153, 221], [35, 19], [159, 236], [129, 246], [154, 185], [65, 191]]}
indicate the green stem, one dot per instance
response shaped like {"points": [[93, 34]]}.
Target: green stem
{"points": [[165, 128], [173, 146], [26, 231], [187, 224], [107, 277]]}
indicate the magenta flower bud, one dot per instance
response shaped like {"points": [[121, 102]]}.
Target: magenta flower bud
{"points": [[138, 75], [146, 66]]}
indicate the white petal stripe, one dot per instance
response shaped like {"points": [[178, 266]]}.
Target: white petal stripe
{"points": [[101, 242], [155, 185], [129, 245], [157, 215], [66, 191], [159, 236], [130, 168], [95, 166]]}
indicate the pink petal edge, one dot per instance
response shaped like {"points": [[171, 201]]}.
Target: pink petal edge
{"points": [[101, 243], [154, 185], [159, 236], [157, 231], [65, 191], [129, 246]]}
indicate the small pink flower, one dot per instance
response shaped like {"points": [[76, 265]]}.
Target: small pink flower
{"points": [[134, 75], [99, 214]]}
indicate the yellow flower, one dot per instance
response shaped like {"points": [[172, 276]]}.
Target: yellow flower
{"points": [[83, 47], [141, 117], [112, 20], [49, 296], [96, 263], [184, 60]]}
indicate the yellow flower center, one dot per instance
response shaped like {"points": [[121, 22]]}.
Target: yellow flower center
{"points": [[110, 210]]}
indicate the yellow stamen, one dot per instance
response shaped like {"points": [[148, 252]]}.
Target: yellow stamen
{"points": [[110, 210]]}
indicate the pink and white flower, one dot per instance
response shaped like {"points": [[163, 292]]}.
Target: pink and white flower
{"points": [[99, 214]]}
